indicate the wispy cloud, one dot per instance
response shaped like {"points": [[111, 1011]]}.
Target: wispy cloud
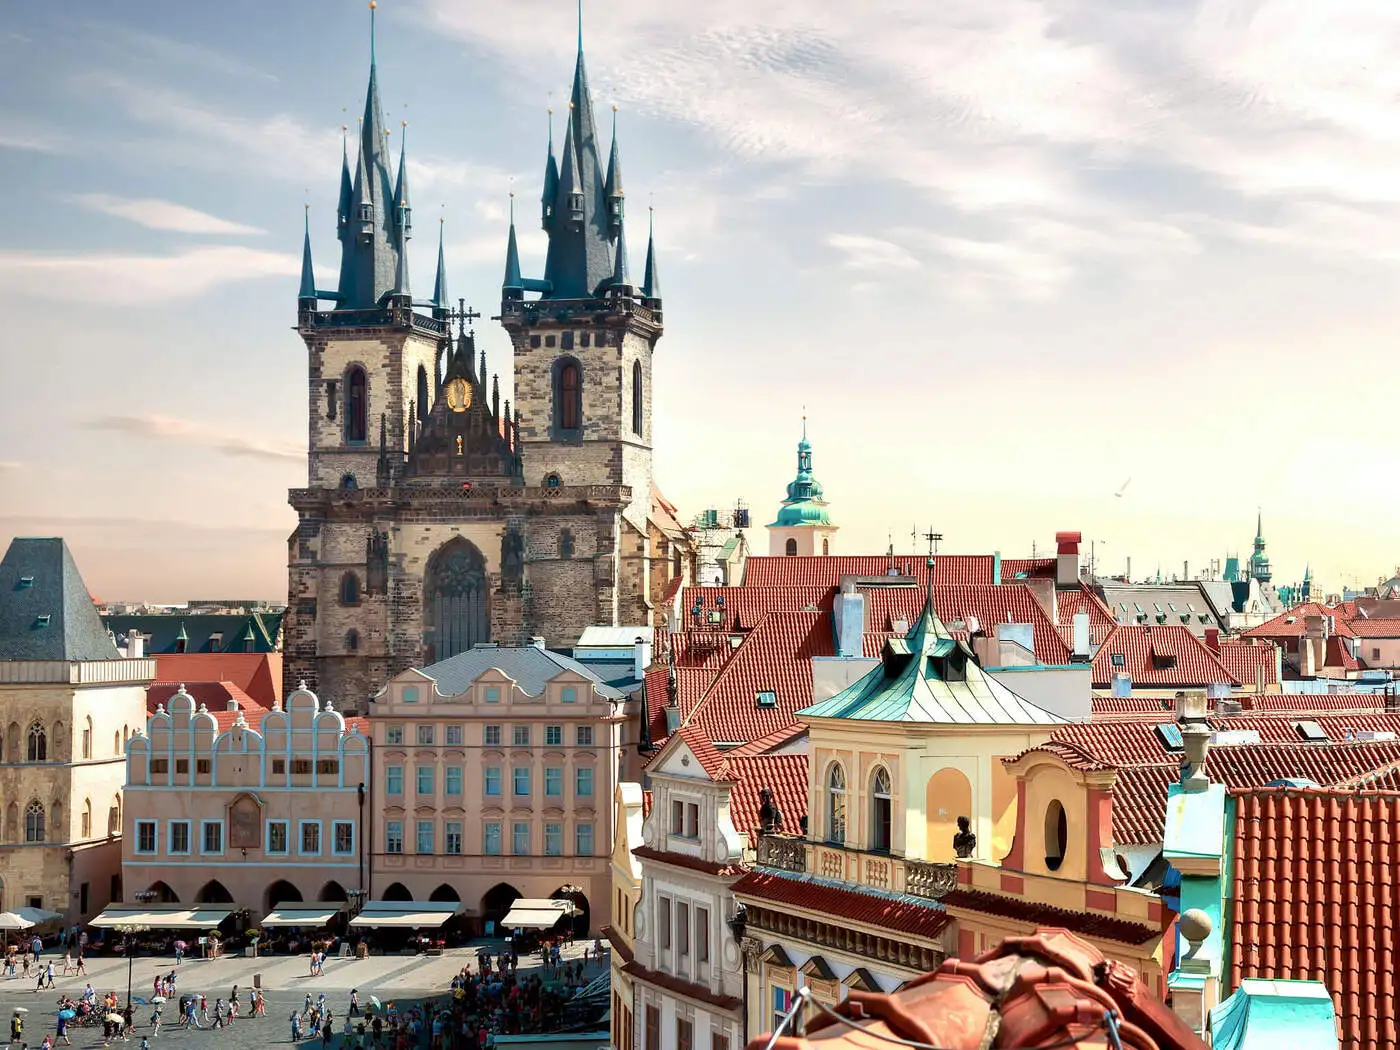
{"points": [[138, 279], [168, 51], [186, 433], [18, 134], [113, 521], [872, 254], [162, 215]]}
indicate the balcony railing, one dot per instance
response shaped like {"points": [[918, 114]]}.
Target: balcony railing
{"points": [[918, 878]]}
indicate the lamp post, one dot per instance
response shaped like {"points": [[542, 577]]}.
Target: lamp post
{"points": [[128, 930]]}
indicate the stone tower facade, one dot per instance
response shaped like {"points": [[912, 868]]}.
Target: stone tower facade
{"points": [[435, 518]]}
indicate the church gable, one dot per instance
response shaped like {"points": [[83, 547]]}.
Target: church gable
{"points": [[463, 436]]}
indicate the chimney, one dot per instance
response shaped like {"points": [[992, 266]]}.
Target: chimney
{"points": [[1015, 644], [1081, 638], [537, 641], [135, 645], [1067, 559], [848, 619], [641, 658], [1122, 684], [1195, 739], [1213, 640]]}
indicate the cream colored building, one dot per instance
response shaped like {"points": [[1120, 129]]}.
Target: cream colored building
{"points": [[494, 776], [221, 810], [68, 701], [629, 810]]}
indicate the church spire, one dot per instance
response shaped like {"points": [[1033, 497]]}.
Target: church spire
{"points": [[307, 294], [651, 282], [440, 302], [613, 183], [347, 188], [512, 286], [403, 210], [551, 179], [621, 277]]}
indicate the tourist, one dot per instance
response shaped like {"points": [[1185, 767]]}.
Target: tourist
{"points": [[296, 1026], [354, 1003], [81, 970], [17, 1028], [218, 1013], [155, 1019], [260, 1010], [327, 1033]]}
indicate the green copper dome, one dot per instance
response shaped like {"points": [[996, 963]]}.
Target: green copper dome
{"points": [[804, 504]]}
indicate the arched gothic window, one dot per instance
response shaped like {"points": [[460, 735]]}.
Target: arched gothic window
{"points": [[38, 744], [826, 546], [790, 548], [423, 405], [637, 402], [34, 822], [568, 394], [880, 811], [348, 483], [87, 819], [87, 738], [352, 640], [836, 804], [456, 589], [350, 589], [356, 406]]}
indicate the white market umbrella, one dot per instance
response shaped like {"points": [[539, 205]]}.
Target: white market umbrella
{"points": [[37, 915], [10, 921]]}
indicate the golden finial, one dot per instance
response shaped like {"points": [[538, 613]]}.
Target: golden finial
{"points": [[571, 103], [345, 127], [614, 107], [550, 111], [372, 5], [404, 123]]}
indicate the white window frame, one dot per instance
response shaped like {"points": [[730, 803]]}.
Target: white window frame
{"points": [[553, 736], [451, 828], [582, 773], [486, 781], [515, 839], [418, 828], [520, 735], [447, 781], [302, 851], [583, 736], [154, 825], [388, 789], [557, 842], [342, 852], [558, 782], [486, 838], [452, 735], [286, 838], [392, 731], [170, 838], [592, 838], [488, 732], [211, 852], [388, 842]]}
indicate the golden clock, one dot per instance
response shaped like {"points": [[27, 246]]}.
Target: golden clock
{"points": [[459, 394]]}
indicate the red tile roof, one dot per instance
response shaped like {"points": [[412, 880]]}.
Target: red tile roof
{"points": [[1303, 703], [776, 656], [817, 571], [257, 674], [886, 607], [769, 741], [1246, 659], [703, 749], [1028, 569], [1106, 927], [685, 860], [1156, 708], [216, 696], [1293, 623], [1146, 651], [785, 774], [1316, 896], [741, 608], [838, 902], [1364, 628], [1072, 755], [1336, 654]]}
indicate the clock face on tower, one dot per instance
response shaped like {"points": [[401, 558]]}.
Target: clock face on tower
{"points": [[459, 394]]}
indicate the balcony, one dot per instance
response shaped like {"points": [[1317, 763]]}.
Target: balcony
{"points": [[917, 878]]}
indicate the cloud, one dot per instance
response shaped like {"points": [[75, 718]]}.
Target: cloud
{"points": [[167, 50], [128, 280], [164, 428], [162, 215], [872, 253], [33, 138], [50, 522]]}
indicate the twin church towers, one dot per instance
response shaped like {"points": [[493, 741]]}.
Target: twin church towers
{"points": [[435, 518]]}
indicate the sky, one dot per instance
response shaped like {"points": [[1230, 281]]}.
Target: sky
{"points": [[1026, 265]]}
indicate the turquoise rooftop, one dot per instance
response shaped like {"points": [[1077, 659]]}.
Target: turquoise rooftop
{"points": [[1271, 1015], [804, 504]]}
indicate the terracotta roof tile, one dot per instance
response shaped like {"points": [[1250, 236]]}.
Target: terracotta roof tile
{"points": [[685, 860], [1072, 755], [769, 741], [216, 696], [257, 674], [1304, 703], [741, 608], [903, 915], [1315, 882], [1158, 708], [1013, 569], [1364, 628], [703, 749], [887, 607], [817, 571], [1244, 659], [785, 774], [1293, 623], [1082, 599], [1107, 927], [1159, 655]]}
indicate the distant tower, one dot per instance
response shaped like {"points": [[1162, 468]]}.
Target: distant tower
{"points": [[803, 526], [1306, 591], [1259, 561]]}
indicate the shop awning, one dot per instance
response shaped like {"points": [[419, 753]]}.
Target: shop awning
{"points": [[172, 917], [413, 915], [538, 914], [300, 915]]}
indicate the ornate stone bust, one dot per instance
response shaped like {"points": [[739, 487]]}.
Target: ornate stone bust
{"points": [[770, 817], [964, 842]]}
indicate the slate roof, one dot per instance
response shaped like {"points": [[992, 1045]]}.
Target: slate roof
{"points": [[911, 916], [1166, 655], [529, 666], [818, 571], [1315, 881], [931, 678], [46, 611], [162, 631]]}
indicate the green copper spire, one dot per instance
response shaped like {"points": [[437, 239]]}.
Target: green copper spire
{"points": [[651, 283], [403, 209], [440, 285], [1259, 561], [347, 188], [612, 186], [804, 504], [308, 277], [512, 281], [551, 180], [621, 277]]}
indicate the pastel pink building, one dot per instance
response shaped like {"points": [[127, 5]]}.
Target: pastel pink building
{"points": [[252, 809], [494, 774]]}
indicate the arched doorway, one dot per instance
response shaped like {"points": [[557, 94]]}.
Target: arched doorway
{"points": [[397, 892], [582, 917], [281, 892], [332, 891], [445, 893], [947, 797], [456, 596], [164, 894], [496, 902], [213, 892]]}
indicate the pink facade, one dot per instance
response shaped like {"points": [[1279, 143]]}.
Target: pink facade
{"points": [[221, 811], [494, 793]]}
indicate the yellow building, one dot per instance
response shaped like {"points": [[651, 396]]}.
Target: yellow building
{"points": [[69, 701]]}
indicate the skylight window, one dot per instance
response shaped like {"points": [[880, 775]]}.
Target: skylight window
{"points": [[1169, 733], [1310, 731], [42, 620], [26, 581], [1118, 660], [767, 698]]}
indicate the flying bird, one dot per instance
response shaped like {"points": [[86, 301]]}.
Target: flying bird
{"points": [[1123, 488]]}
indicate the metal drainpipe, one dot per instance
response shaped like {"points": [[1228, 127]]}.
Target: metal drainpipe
{"points": [[363, 831]]}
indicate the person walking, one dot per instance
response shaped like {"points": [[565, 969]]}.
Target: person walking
{"points": [[204, 1007], [218, 1013], [155, 1021], [327, 1034], [252, 1004], [17, 1028], [306, 1006], [81, 970], [261, 1009], [296, 1026], [354, 1003]]}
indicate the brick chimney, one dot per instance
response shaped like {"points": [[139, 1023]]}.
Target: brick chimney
{"points": [[1067, 559], [1213, 640]]}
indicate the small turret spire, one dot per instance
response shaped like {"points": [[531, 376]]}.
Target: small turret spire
{"points": [[612, 185], [580, 27], [440, 299], [551, 179], [347, 188], [372, 6], [308, 277], [512, 282], [620, 276], [403, 210], [651, 283]]}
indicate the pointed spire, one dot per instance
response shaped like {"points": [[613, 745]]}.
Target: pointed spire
{"points": [[481, 374], [347, 188], [580, 27], [440, 285], [308, 276], [512, 281], [620, 276], [651, 282], [551, 179], [570, 189], [613, 184], [403, 210], [496, 397]]}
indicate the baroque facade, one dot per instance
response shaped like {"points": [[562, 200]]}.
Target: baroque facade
{"points": [[434, 517]]}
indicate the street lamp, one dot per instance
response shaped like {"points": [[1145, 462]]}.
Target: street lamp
{"points": [[128, 930]]}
